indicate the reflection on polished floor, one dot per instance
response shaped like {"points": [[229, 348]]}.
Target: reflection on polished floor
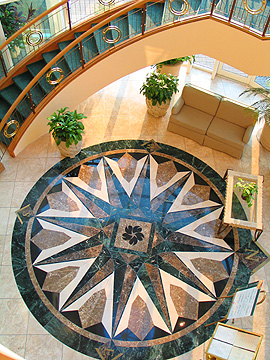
{"points": [[116, 112]]}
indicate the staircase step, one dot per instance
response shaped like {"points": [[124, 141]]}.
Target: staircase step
{"points": [[154, 13], [135, 18], [4, 107], [90, 49], [23, 80], [101, 44], [34, 69], [122, 23], [48, 56], [73, 56], [10, 95]]}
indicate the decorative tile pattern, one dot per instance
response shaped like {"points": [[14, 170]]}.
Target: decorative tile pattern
{"points": [[122, 255]]}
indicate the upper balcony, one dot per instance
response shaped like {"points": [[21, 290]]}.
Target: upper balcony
{"points": [[41, 59]]}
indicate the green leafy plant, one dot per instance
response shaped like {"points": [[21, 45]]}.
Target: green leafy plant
{"points": [[175, 61], [159, 87], [65, 126], [248, 190], [262, 106], [12, 19]]}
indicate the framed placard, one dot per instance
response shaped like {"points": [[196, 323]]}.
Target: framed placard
{"points": [[244, 301]]}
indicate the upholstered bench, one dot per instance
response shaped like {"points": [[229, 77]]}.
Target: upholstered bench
{"points": [[212, 120]]}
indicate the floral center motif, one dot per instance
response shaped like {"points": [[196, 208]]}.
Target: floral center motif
{"points": [[133, 234]]}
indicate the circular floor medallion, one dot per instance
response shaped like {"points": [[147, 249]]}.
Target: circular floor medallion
{"points": [[117, 251]]}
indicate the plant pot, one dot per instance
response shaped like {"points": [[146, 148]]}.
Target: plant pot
{"points": [[171, 69], [264, 136], [71, 151], [2, 168], [157, 110]]}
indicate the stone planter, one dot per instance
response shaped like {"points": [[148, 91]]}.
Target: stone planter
{"points": [[157, 110], [264, 136], [171, 69], [71, 151]]}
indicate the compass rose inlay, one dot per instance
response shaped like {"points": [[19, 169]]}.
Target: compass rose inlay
{"points": [[123, 249]]}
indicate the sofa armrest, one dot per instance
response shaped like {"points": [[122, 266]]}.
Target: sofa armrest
{"points": [[247, 134], [177, 106]]}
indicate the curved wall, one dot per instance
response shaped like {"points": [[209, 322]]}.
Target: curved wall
{"points": [[209, 37]]}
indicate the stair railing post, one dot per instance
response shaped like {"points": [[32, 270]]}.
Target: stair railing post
{"points": [[3, 64], [212, 8], [81, 51], [232, 10], [266, 26], [31, 102], [69, 18], [143, 19]]}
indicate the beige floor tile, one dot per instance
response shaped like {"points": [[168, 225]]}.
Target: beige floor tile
{"points": [[38, 149], [10, 172], [6, 193], [15, 343], [13, 317], [11, 220], [45, 346], [70, 354], [34, 327], [8, 287], [4, 216], [6, 258], [2, 245], [30, 169], [21, 189]]}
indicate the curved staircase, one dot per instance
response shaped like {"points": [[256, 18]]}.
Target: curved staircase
{"points": [[26, 87]]}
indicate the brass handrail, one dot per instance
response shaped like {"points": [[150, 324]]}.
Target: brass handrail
{"points": [[29, 24]]}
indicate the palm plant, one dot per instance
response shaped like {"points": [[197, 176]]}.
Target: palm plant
{"points": [[262, 106]]}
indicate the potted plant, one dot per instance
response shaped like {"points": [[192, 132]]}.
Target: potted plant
{"points": [[158, 90], [172, 66], [247, 189], [263, 108], [67, 131]]}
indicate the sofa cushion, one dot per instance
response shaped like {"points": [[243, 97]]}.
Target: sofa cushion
{"points": [[201, 99], [247, 134], [177, 106], [230, 134], [235, 113], [192, 119]]}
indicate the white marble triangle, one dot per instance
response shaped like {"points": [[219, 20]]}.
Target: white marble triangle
{"points": [[84, 265], [83, 212], [177, 204], [75, 238], [101, 194], [186, 258], [190, 229], [127, 185], [154, 189], [107, 284], [138, 289], [167, 281]]}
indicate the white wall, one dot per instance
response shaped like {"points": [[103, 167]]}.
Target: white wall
{"points": [[208, 37]]}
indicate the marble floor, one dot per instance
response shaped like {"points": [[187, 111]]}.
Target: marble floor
{"points": [[116, 112]]}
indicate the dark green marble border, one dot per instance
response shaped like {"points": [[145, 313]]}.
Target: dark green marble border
{"points": [[61, 331]]}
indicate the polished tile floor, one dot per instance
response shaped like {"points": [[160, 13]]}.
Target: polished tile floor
{"points": [[117, 112]]}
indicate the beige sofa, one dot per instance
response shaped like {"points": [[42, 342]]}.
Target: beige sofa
{"points": [[212, 120]]}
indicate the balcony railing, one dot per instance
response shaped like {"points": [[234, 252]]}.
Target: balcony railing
{"points": [[125, 26]]}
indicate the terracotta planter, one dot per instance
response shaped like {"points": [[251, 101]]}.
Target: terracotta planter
{"points": [[264, 136], [157, 110], [71, 151], [171, 69]]}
